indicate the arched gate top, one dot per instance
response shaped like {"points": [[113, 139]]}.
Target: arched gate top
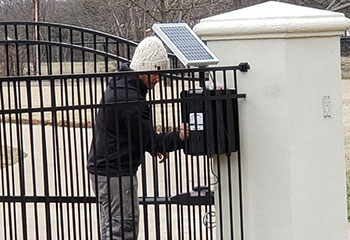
{"points": [[62, 49]]}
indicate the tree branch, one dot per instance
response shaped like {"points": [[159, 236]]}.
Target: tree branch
{"points": [[331, 5], [341, 7], [148, 11]]}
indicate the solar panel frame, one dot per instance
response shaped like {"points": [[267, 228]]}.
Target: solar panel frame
{"points": [[159, 28]]}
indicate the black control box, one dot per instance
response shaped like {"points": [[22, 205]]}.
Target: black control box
{"points": [[212, 118]]}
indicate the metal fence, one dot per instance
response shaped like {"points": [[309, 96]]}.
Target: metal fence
{"points": [[54, 86], [47, 126]]}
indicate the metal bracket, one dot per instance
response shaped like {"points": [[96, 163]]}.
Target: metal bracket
{"points": [[199, 196]]}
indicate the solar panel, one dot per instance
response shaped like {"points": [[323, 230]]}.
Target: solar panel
{"points": [[185, 44]]}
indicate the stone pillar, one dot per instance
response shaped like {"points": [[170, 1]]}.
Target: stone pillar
{"points": [[292, 139]]}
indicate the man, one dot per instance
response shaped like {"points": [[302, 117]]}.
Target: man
{"points": [[123, 132]]}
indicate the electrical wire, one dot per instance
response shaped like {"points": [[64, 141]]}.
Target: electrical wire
{"points": [[212, 172], [207, 219]]}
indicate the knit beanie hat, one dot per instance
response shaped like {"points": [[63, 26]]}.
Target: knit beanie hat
{"points": [[149, 55]]}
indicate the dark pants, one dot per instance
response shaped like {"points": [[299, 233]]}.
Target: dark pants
{"points": [[123, 207]]}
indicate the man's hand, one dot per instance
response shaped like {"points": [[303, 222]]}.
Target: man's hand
{"points": [[184, 131], [162, 157]]}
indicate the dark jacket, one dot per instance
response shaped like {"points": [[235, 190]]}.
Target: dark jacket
{"points": [[124, 131]]}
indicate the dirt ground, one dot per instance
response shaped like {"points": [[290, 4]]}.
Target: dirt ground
{"points": [[346, 119]]}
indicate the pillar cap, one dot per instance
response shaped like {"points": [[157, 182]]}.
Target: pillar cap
{"points": [[272, 20]]}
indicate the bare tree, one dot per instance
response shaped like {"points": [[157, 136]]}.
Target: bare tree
{"points": [[16, 10], [132, 18]]}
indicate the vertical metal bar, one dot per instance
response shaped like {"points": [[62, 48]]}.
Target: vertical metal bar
{"points": [[75, 157], [143, 160], [131, 167], [200, 201], [180, 156], [83, 52], [95, 67], [225, 103], [187, 175], [57, 163], [28, 49], [93, 97], [7, 158], [65, 171], [50, 51], [119, 163], [20, 153], [52, 88], [63, 85], [82, 154], [182, 81], [130, 152], [4, 225], [207, 176], [119, 170], [5, 135], [16, 51], [87, 149], [7, 57], [230, 194], [177, 163], [119, 160], [71, 52], [154, 161], [239, 165], [86, 182], [166, 179], [70, 157], [199, 170], [47, 60], [208, 208], [205, 167], [106, 58], [45, 164], [93, 146], [79, 124], [206, 163], [3, 161], [38, 52], [19, 131], [167, 165], [218, 168], [60, 50], [12, 158], [95, 56], [193, 83], [128, 52], [104, 112], [33, 156], [118, 54], [55, 149], [31, 136]]}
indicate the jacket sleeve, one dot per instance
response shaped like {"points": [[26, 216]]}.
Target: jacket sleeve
{"points": [[141, 127]]}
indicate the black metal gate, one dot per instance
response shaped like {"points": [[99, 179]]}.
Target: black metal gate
{"points": [[52, 78]]}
